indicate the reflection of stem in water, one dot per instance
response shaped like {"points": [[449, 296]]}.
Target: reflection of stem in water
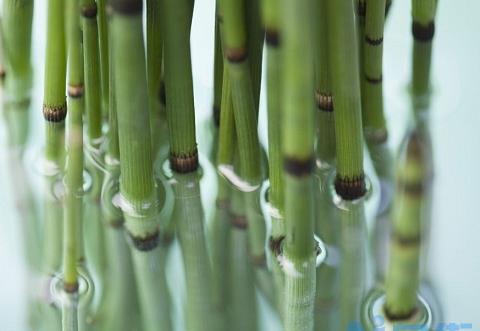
{"points": [[242, 302], [353, 264], [188, 215], [403, 274]]}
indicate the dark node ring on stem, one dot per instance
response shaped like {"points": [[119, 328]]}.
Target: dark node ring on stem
{"points": [[75, 91], [116, 223], [161, 93], [184, 163], [361, 8], [376, 136], [89, 11], [259, 261], [399, 316], [373, 80], [298, 167], [126, 7], [423, 33], [411, 188], [350, 188], [324, 101], [272, 37], [407, 241], [223, 204], [374, 41], [275, 244], [236, 55], [239, 222], [55, 114], [3, 73], [70, 287], [145, 244], [216, 115]]}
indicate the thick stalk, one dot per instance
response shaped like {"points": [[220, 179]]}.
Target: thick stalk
{"points": [[403, 274], [299, 253], [343, 59], [137, 184], [54, 105]]}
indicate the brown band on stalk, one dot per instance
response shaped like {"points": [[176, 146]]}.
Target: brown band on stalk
{"points": [[406, 241], [275, 245], [75, 91], [411, 188], [161, 93], [216, 115], [399, 317], [145, 244], [89, 11], [259, 261], [423, 33], [272, 37], [373, 80], [239, 222], [376, 136], [126, 7], [350, 188], [223, 204], [324, 101], [297, 167], [236, 55], [184, 163], [70, 287], [55, 114], [373, 41]]}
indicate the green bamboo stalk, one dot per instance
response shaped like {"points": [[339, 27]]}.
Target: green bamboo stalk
{"points": [[137, 184], [93, 90], [74, 143], [403, 274], [242, 302], [299, 253], [343, 59], [217, 71], [178, 86], [102, 23], [154, 69], [423, 30], [255, 37], [54, 105]]}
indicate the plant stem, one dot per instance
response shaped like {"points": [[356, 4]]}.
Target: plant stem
{"points": [[423, 30], [404, 270], [137, 184], [178, 86], [154, 68], [299, 253], [54, 105], [255, 36], [102, 22], [343, 59], [93, 90], [218, 76], [74, 144]]}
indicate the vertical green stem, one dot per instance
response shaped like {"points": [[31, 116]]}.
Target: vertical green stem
{"points": [[102, 22], [343, 58]]}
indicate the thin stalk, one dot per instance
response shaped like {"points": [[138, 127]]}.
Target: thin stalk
{"points": [[299, 253], [154, 69], [343, 59], [403, 274], [255, 37], [423, 30], [54, 105], [178, 86], [3, 71], [217, 71], [102, 23], [137, 184], [93, 90], [74, 166], [242, 303]]}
